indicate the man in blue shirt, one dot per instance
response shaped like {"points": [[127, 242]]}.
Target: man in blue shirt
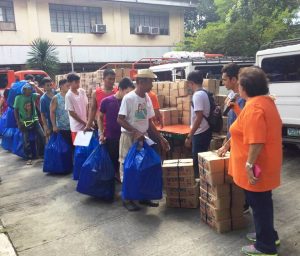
{"points": [[230, 73], [45, 101]]}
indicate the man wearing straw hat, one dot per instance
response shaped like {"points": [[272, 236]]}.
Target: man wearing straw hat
{"points": [[135, 117]]}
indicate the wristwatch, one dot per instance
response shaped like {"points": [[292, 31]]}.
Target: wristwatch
{"points": [[249, 165]]}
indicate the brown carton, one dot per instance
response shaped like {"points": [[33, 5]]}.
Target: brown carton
{"points": [[174, 93], [212, 178], [183, 192], [183, 92], [178, 168], [218, 203], [217, 214], [182, 84], [211, 85], [212, 162], [178, 182], [184, 202], [217, 191]]}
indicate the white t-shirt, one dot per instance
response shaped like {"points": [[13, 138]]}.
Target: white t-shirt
{"points": [[137, 111], [200, 103], [78, 104]]}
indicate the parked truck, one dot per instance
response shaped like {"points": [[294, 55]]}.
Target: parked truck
{"points": [[282, 66]]}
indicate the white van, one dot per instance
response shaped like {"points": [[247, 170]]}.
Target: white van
{"points": [[282, 66]]}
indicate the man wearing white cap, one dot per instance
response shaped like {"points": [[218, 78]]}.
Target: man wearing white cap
{"points": [[135, 117]]}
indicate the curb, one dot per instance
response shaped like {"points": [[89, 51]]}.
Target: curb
{"points": [[6, 247]]}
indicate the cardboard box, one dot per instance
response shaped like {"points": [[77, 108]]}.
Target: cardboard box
{"points": [[183, 92], [183, 192], [211, 85], [184, 202], [179, 182], [169, 116], [186, 120], [178, 168], [212, 178], [216, 214], [174, 93], [161, 99], [216, 142], [216, 202], [182, 84], [217, 191], [212, 162]]}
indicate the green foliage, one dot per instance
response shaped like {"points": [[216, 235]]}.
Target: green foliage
{"points": [[43, 56], [241, 27]]}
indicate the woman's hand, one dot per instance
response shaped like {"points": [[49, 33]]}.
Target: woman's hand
{"points": [[55, 129], [251, 178], [223, 150]]}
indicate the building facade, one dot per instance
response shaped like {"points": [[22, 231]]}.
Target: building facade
{"points": [[101, 31]]}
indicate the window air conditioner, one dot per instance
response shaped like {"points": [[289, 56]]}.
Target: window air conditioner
{"points": [[143, 30], [155, 31], [99, 29]]}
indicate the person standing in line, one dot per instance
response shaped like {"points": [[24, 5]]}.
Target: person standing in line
{"points": [[200, 135], [110, 134], [136, 117], [58, 113], [27, 121], [108, 89], [45, 101], [76, 103]]}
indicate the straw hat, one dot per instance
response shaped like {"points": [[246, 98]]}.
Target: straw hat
{"points": [[145, 73]]}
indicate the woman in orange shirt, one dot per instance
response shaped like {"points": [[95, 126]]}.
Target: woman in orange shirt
{"points": [[256, 157]]}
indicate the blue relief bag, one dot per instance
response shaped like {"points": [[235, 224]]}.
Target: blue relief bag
{"points": [[142, 174], [97, 175], [82, 153], [58, 155]]}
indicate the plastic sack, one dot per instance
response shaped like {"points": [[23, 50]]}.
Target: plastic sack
{"points": [[142, 174], [58, 155], [97, 175], [17, 147], [8, 138], [3, 122], [15, 90], [81, 154], [10, 119]]}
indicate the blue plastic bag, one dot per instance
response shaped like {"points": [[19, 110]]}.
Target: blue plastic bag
{"points": [[58, 155], [142, 174], [81, 154], [3, 122], [17, 148], [10, 119], [15, 90], [8, 138], [97, 175]]}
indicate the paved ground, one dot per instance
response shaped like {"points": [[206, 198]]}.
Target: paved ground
{"points": [[43, 215]]}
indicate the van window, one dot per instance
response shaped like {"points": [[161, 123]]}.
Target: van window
{"points": [[3, 81], [282, 69]]}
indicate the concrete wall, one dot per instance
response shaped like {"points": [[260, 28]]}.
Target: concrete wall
{"points": [[33, 20]]}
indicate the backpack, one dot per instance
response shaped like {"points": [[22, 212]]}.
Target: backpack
{"points": [[215, 119]]}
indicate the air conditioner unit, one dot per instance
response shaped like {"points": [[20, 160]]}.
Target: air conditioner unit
{"points": [[143, 30], [155, 31], [99, 29]]}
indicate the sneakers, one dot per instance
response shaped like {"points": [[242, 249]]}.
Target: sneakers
{"points": [[250, 250], [252, 237]]}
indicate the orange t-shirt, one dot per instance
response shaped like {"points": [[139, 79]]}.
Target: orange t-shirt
{"points": [[258, 123], [100, 95], [154, 100]]}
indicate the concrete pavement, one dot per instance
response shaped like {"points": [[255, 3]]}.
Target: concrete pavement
{"points": [[45, 216]]}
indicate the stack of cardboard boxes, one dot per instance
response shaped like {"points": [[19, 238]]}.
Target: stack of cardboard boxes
{"points": [[180, 185], [221, 202]]}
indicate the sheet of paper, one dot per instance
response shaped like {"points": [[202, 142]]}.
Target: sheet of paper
{"points": [[83, 139], [149, 141]]}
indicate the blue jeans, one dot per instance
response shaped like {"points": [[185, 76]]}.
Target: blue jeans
{"points": [[262, 207], [200, 143]]}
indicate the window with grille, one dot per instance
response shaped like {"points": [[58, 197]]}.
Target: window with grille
{"points": [[7, 16], [74, 19], [152, 19]]}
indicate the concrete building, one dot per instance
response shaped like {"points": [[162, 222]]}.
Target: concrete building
{"points": [[132, 30]]}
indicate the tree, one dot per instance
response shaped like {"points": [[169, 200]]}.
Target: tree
{"points": [[243, 26], [43, 55]]}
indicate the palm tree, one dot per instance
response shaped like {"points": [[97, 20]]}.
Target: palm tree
{"points": [[43, 55]]}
